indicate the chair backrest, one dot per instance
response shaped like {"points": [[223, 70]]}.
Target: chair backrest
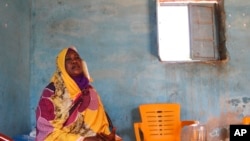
{"points": [[160, 122]]}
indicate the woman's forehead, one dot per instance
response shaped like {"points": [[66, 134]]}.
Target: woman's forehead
{"points": [[71, 51]]}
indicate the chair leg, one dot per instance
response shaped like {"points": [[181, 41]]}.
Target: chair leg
{"points": [[137, 131]]}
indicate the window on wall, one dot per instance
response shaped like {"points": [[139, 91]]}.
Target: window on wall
{"points": [[188, 30]]}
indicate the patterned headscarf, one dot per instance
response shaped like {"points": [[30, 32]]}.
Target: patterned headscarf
{"points": [[71, 85]]}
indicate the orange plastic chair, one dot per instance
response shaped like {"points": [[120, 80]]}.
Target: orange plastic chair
{"points": [[160, 122]]}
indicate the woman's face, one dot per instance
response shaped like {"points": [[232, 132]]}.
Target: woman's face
{"points": [[73, 63]]}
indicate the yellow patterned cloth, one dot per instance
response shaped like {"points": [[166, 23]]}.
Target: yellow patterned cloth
{"points": [[56, 121]]}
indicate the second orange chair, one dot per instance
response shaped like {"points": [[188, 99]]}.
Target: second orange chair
{"points": [[160, 122]]}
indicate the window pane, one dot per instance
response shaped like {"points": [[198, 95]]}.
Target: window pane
{"points": [[173, 33]]}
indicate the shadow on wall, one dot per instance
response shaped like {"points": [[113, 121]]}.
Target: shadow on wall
{"points": [[128, 133], [152, 28]]}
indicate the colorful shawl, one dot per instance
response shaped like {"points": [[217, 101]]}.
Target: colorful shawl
{"points": [[66, 113]]}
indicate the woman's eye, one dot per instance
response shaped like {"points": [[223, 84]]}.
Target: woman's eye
{"points": [[78, 58], [72, 59], [68, 59]]}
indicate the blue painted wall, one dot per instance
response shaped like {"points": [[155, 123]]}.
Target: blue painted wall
{"points": [[15, 67], [118, 41]]}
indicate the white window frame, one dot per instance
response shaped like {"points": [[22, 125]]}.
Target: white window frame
{"points": [[178, 37]]}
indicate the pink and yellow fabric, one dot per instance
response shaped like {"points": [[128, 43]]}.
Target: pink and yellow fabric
{"points": [[64, 113]]}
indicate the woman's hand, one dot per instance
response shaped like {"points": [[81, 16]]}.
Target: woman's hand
{"points": [[94, 138], [102, 136], [110, 137]]}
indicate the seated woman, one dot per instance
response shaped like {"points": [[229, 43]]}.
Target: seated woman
{"points": [[70, 109]]}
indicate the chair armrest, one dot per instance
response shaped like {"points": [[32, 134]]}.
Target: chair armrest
{"points": [[187, 122], [246, 120], [137, 131]]}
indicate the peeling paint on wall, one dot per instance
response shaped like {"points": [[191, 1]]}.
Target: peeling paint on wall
{"points": [[240, 105]]}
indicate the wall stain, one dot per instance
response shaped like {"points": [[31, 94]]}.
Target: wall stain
{"points": [[241, 105]]}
